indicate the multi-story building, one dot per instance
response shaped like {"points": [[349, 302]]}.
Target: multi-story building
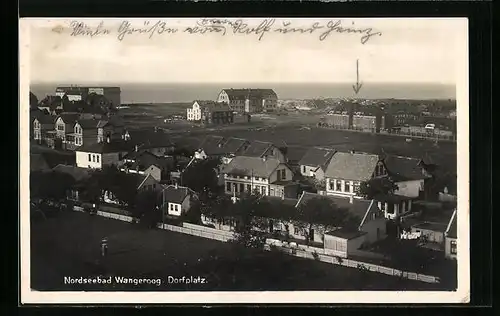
{"points": [[249, 100], [64, 125], [41, 125], [340, 121], [77, 93], [254, 174], [84, 133], [215, 114], [346, 171]]}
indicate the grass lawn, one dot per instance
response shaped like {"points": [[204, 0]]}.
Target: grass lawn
{"points": [[69, 245]]}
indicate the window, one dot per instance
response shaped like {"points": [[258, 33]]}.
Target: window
{"points": [[249, 188], [93, 158], [228, 186], [283, 174], [297, 231], [176, 207], [263, 189], [347, 186], [453, 247], [242, 187], [171, 207], [97, 157], [303, 169], [90, 157], [356, 187], [338, 186]]}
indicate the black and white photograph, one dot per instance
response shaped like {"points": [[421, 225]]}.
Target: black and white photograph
{"points": [[244, 160]]}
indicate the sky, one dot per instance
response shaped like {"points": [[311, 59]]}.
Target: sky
{"points": [[407, 51]]}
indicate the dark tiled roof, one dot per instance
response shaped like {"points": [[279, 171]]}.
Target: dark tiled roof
{"points": [[358, 208], [295, 153], [69, 118], [145, 159], [150, 139], [51, 101], [352, 166], [248, 166], [212, 145], [257, 149], [175, 194], [234, 145], [317, 157], [46, 119], [38, 162], [346, 233], [404, 168], [87, 123], [242, 94], [76, 172], [104, 147]]}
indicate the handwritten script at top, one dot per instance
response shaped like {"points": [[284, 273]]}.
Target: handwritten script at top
{"points": [[322, 30]]}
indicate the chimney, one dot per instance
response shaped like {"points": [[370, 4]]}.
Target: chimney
{"points": [[352, 151], [264, 158], [136, 148]]}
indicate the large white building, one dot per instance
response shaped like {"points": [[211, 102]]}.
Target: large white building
{"points": [[249, 100]]}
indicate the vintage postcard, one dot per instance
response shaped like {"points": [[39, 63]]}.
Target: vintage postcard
{"points": [[244, 160]]}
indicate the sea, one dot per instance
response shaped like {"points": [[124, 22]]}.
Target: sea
{"points": [[176, 93]]}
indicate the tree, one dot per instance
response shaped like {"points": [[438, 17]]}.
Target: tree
{"points": [[251, 226], [193, 215], [376, 186], [322, 213], [33, 101], [146, 208], [49, 186], [202, 176], [217, 208]]}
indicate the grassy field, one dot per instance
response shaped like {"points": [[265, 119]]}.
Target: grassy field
{"points": [[68, 245]]}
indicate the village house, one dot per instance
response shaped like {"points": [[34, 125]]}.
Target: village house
{"points": [[154, 141], [139, 181], [64, 125], [194, 112], [101, 154], [84, 133], [218, 146], [451, 238], [249, 100], [176, 200], [53, 104], [431, 224], [41, 125], [262, 149], [79, 175], [408, 174], [112, 128], [313, 164], [346, 171], [216, 114], [210, 112], [145, 162], [250, 174], [338, 241]]}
